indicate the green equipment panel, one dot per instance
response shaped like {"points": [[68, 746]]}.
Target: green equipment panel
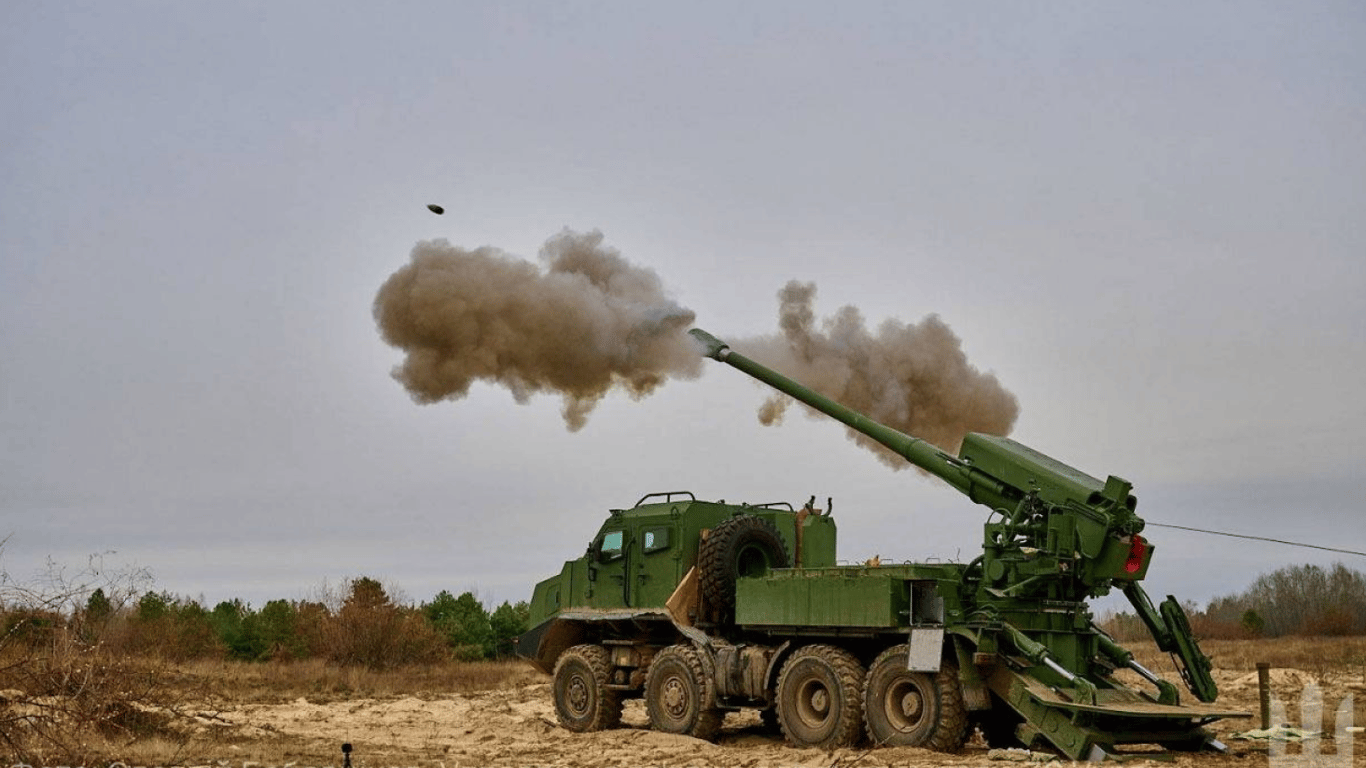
{"points": [[823, 597]]}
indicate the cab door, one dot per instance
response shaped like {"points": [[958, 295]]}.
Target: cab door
{"points": [[608, 569], [655, 560]]}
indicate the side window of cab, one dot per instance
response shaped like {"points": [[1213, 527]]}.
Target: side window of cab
{"points": [[655, 539], [611, 545]]}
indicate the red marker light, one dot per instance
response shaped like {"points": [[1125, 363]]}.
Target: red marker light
{"points": [[1137, 549]]}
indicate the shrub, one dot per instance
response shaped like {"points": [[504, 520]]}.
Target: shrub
{"points": [[464, 624], [372, 631], [509, 621], [66, 696]]}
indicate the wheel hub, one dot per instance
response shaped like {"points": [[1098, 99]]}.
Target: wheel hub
{"points": [[675, 697], [911, 705], [577, 695], [904, 703], [813, 705]]}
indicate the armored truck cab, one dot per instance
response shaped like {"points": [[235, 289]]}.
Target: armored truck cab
{"points": [[642, 556]]}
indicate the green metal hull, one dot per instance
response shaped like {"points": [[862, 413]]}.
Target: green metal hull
{"points": [[853, 597]]}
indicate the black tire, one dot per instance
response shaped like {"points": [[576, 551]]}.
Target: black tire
{"points": [[820, 701], [744, 545], [678, 694], [768, 721], [914, 709], [582, 700]]}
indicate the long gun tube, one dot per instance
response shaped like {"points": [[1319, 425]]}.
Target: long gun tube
{"points": [[955, 472]]}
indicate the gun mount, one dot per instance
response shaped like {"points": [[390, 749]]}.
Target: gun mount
{"points": [[1057, 535]]}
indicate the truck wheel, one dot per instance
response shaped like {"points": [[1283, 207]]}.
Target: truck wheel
{"points": [[582, 700], [678, 694], [744, 545], [914, 709], [819, 698]]}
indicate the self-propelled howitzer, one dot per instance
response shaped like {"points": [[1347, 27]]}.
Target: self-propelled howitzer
{"points": [[705, 607]]}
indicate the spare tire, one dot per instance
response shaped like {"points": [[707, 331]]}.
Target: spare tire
{"points": [[744, 545]]}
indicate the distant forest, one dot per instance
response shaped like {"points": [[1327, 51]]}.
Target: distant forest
{"points": [[1297, 600], [360, 625]]}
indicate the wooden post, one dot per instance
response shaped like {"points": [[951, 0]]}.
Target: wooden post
{"points": [[1264, 692]]}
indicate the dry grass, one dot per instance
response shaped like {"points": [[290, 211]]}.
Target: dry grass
{"points": [[158, 727], [263, 683], [63, 702], [1328, 659], [1336, 664], [209, 686]]}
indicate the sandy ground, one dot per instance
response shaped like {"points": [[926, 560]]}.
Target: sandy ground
{"points": [[517, 727]]}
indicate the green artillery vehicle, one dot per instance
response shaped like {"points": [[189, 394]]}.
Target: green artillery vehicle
{"points": [[706, 607]]}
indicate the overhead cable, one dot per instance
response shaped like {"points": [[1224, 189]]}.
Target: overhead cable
{"points": [[1259, 538]]}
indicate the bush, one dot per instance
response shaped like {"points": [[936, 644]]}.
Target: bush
{"points": [[277, 629], [68, 694], [168, 627], [464, 624], [372, 631], [509, 621], [470, 630]]}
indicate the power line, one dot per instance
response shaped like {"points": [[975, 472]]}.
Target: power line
{"points": [[1259, 538]]}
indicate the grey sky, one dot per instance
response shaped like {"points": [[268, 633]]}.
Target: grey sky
{"points": [[1145, 219]]}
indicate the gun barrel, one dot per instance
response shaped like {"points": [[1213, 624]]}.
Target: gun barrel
{"points": [[913, 449]]}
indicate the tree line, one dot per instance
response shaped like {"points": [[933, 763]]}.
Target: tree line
{"points": [[1296, 600], [361, 625]]}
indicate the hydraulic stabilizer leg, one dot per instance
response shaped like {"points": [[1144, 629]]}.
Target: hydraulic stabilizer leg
{"points": [[1171, 630]]}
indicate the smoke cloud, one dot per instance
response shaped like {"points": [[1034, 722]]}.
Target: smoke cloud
{"points": [[914, 378], [587, 323]]}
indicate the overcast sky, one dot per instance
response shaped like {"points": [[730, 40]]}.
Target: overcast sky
{"points": [[1148, 220]]}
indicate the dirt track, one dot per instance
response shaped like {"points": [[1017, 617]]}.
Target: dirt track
{"points": [[516, 727]]}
